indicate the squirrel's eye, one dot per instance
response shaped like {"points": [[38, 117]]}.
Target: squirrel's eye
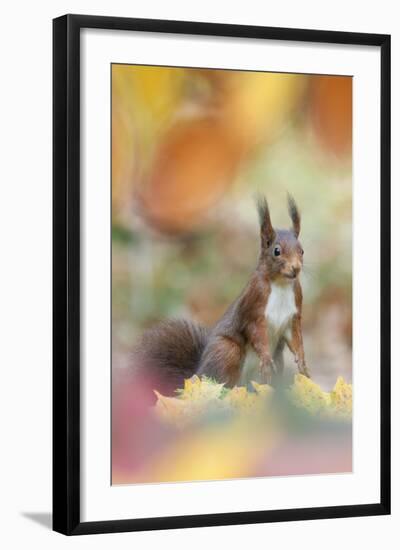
{"points": [[277, 251]]}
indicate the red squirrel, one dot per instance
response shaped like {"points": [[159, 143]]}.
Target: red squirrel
{"points": [[266, 317]]}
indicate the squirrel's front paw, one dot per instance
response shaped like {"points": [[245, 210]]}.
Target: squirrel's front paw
{"points": [[303, 369], [267, 369], [301, 365]]}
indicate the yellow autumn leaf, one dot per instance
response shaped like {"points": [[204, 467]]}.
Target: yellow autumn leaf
{"points": [[197, 398], [307, 394], [336, 404], [204, 388], [341, 398]]}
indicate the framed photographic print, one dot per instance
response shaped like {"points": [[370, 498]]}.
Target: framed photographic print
{"points": [[221, 274]]}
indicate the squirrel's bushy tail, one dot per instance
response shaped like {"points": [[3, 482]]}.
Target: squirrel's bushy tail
{"points": [[170, 352]]}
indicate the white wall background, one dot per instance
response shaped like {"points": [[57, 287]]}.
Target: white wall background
{"points": [[25, 272]]}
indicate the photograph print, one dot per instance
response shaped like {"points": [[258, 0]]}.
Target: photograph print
{"points": [[231, 274]]}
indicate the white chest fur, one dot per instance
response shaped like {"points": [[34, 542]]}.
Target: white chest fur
{"points": [[280, 309]]}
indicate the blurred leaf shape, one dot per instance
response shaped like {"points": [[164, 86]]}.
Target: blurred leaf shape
{"points": [[192, 166], [331, 112], [258, 104]]}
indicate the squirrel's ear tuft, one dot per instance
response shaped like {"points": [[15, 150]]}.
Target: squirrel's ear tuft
{"points": [[294, 214], [267, 231]]}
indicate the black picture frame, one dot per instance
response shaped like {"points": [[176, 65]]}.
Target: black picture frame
{"points": [[66, 273]]}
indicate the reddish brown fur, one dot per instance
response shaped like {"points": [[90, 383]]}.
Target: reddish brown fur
{"points": [[244, 324], [295, 343], [220, 352]]}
